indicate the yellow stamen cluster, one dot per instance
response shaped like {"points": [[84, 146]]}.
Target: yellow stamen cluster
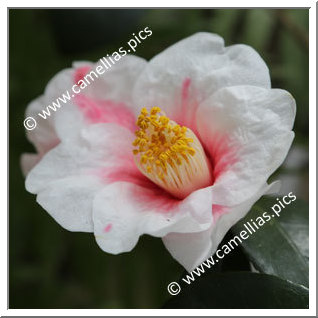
{"points": [[166, 145], [167, 152]]}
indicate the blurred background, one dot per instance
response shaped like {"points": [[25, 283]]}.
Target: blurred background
{"points": [[50, 267]]}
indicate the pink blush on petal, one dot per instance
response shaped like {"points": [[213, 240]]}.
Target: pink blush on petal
{"points": [[145, 191], [221, 153], [80, 73], [108, 227], [218, 211], [224, 157], [185, 92], [185, 115], [125, 170], [156, 198], [218, 148], [126, 173], [102, 111], [106, 111]]}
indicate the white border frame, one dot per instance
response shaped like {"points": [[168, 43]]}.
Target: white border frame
{"points": [[312, 164]]}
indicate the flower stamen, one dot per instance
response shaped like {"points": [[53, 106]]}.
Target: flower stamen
{"points": [[169, 154]]}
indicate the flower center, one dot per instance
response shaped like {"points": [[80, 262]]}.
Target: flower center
{"points": [[170, 155]]}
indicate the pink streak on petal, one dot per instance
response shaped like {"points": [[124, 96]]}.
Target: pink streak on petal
{"points": [[146, 191], [127, 172], [221, 151], [106, 111], [108, 227], [185, 115], [185, 94], [80, 73], [222, 154], [156, 198], [218, 211]]}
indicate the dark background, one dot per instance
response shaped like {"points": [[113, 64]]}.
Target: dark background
{"points": [[50, 267]]}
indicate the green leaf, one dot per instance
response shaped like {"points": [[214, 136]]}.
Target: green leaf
{"points": [[277, 247], [296, 224], [240, 290]]}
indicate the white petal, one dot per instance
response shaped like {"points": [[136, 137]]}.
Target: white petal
{"points": [[78, 64], [69, 201], [68, 176], [95, 147], [235, 213], [124, 211], [200, 64], [247, 132], [58, 85], [191, 249], [114, 86], [118, 81], [43, 136]]}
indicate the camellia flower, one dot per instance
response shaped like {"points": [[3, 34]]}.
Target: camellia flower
{"points": [[180, 147]]}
